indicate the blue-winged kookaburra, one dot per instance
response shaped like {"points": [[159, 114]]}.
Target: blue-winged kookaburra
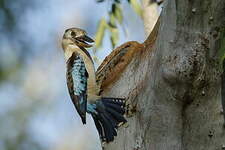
{"points": [[84, 92]]}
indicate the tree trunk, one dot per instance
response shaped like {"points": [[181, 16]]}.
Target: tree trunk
{"points": [[171, 81]]}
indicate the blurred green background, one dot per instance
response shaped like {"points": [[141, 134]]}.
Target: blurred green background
{"points": [[36, 112]]}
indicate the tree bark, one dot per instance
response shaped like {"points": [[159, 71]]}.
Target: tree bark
{"points": [[171, 81]]}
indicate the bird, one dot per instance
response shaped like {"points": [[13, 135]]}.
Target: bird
{"points": [[107, 112]]}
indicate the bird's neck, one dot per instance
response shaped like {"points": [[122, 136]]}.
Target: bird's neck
{"points": [[69, 50]]}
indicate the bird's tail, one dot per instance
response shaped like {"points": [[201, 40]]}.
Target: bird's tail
{"points": [[108, 117]]}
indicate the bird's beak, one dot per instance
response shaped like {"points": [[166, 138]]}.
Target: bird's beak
{"points": [[83, 41]]}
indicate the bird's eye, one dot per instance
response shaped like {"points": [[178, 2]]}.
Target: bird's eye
{"points": [[73, 34]]}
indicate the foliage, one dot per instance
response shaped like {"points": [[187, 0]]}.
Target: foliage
{"points": [[10, 20], [115, 18], [8, 27]]}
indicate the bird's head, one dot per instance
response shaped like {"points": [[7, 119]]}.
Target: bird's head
{"points": [[78, 37]]}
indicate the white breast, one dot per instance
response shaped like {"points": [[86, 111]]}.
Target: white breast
{"points": [[69, 51]]}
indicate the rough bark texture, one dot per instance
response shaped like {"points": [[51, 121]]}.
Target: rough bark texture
{"points": [[172, 84]]}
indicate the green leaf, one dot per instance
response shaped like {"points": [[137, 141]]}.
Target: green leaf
{"points": [[136, 6], [118, 13], [112, 20], [114, 36], [100, 32]]}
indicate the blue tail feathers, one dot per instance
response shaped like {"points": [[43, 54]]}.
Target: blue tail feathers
{"points": [[108, 116]]}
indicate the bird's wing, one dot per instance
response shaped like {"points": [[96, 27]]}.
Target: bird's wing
{"points": [[77, 77]]}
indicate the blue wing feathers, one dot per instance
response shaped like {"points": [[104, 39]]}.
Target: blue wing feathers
{"points": [[77, 77]]}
